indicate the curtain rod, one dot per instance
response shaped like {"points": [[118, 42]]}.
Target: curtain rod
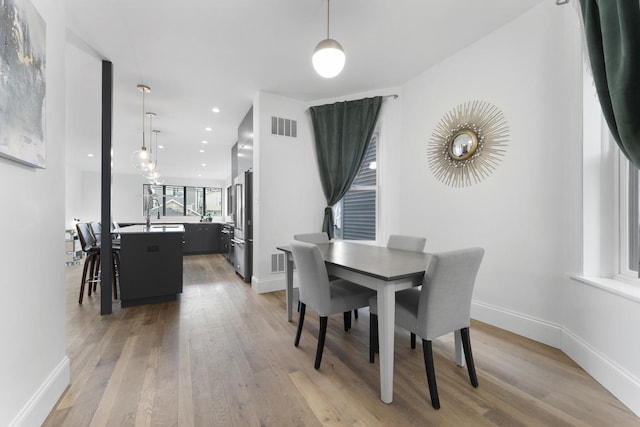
{"points": [[561, 2], [394, 96]]}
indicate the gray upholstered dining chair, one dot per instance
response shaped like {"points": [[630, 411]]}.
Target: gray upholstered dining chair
{"points": [[321, 295], [443, 305], [316, 238], [406, 243]]}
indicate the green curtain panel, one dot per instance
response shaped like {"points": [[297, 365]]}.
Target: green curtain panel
{"points": [[342, 133], [612, 30]]}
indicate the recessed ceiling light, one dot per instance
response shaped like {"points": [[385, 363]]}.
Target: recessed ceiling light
{"points": [[202, 151], [208, 129], [160, 146], [215, 109], [90, 155], [204, 142], [204, 164], [199, 174]]}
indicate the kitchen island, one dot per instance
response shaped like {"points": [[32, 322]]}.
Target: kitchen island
{"points": [[150, 267]]}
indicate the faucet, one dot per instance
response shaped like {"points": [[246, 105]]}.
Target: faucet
{"points": [[150, 205]]}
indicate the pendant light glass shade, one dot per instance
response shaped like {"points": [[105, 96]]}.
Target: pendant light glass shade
{"points": [[140, 158], [153, 174], [328, 58]]}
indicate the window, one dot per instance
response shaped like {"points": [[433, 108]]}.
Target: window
{"points": [[213, 201], [195, 201], [629, 219], [173, 200], [355, 215]]}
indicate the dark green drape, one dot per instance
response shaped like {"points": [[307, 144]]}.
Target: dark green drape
{"points": [[342, 133], [612, 30]]}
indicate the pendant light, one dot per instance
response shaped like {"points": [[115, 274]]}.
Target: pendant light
{"points": [[139, 158], [154, 175], [149, 166], [328, 56]]}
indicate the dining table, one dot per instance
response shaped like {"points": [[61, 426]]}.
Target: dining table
{"points": [[383, 269]]}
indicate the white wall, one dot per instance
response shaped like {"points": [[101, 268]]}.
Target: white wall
{"points": [[513, 213], [287, 193], [528, 214], [34, 368], [73, 195], [288, 196]]}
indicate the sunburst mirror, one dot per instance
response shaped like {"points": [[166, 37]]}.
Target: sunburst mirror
{"points": [[468, 143]]}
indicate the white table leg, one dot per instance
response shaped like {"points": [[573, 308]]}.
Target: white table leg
{"points": [[459, 350], [386, 322], [289, 287]]}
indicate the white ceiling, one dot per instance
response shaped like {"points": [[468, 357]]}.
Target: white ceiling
{"points": [[200, 54]]}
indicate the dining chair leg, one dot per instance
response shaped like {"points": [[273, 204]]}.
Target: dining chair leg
{"points": [[468, 356], [321, 335], [355, 313], [303, 308], [413, 341], [431, 373], [373, 337], [347, 320]]}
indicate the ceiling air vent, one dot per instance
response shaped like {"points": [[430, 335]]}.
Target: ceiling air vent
{"points": [[284, 127]]}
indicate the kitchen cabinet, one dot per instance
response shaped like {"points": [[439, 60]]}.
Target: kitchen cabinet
{"points": [[150, 264], [202, 238]]}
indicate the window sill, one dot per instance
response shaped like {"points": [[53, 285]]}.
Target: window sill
{"points": [[614, 286]]}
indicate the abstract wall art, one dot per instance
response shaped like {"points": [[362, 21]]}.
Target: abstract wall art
{"points": [[22, 83]]}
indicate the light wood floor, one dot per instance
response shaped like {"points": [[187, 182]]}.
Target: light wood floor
{"points": [[223, 355]]}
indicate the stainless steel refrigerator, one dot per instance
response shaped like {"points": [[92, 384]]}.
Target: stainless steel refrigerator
{"points": [[243, 233]]}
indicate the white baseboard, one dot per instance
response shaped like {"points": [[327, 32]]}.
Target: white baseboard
{"points": [[45, 398], [273, 284], [537, 329], [622, 384]]}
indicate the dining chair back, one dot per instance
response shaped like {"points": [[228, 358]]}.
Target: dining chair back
{"points": [[316, 238], [440, 306], [322, 295], [406, 243], [445, 299]]}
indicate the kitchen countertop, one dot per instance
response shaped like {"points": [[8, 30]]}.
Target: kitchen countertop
{"points": [[155, 228]]}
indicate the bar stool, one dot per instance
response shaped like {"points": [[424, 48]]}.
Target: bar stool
{"points": [[92, 260], [96, 231]]}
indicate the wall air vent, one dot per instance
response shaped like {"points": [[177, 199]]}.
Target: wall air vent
{"points": [[284, 127], [277, 263]]}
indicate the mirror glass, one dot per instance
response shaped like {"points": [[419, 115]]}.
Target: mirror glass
{"points": [[463, 145]]}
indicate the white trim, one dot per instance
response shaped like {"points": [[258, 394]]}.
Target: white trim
{"points": [[617, 287], [522, 324], [36, 410], [621, 383], [272, 284]]}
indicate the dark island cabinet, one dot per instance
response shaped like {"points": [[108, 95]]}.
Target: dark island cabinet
{"points": [[202, 238]]}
